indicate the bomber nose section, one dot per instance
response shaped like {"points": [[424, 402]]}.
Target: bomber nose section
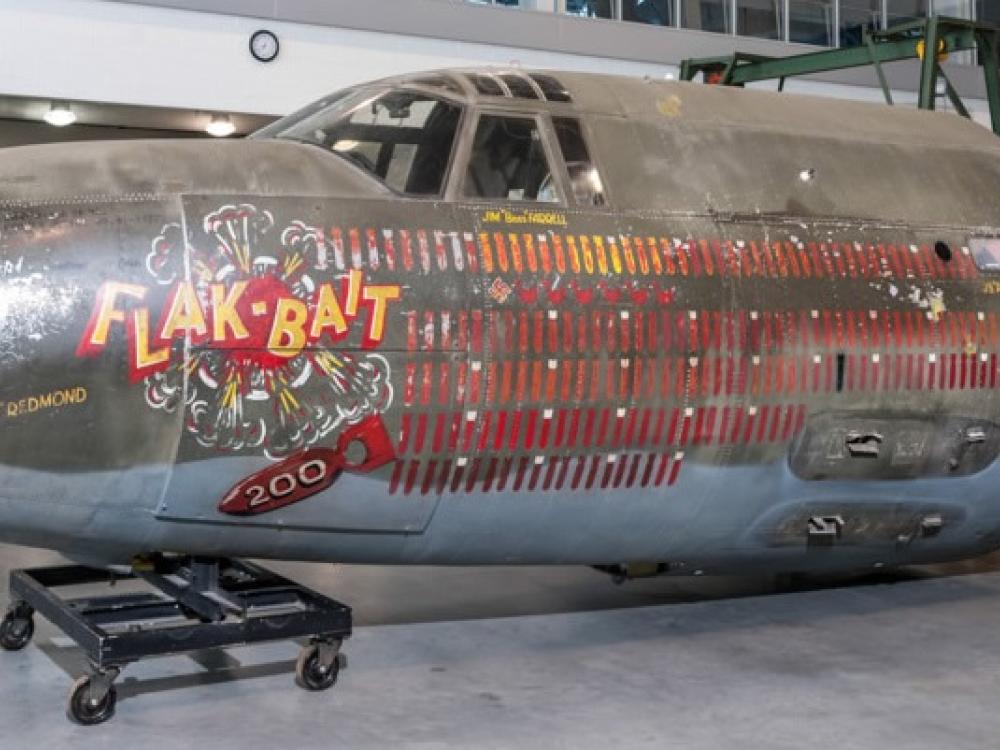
{"points": [[167, 303], [59, 412], [124, 172]]}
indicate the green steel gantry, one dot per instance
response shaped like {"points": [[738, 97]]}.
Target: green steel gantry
{"points": [[904, 42]]}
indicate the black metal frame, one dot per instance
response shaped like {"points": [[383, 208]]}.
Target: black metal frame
{"points": [[245, 604]]}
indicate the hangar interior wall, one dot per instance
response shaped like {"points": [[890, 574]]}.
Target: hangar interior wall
{"points": [[132, 54]]}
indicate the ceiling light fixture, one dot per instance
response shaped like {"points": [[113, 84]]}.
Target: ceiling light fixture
{"points": [[220, 126], [60, 115]]}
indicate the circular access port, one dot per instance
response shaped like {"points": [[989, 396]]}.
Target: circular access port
{"points": [[942, 250], [356, 453]]}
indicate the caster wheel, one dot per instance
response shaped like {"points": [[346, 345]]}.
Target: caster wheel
{"points": [[83, 710], [311, 674], [16, 631]]}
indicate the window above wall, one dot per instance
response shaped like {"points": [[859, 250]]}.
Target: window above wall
{"points": [[824, 23]]}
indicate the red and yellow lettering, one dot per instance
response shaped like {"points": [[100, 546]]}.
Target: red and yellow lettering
{"points": [[184, 314], [106, 312], [288, 331], [328, 315], [224, 313], [255, 317], [144, 361], [380, 297], [354, 281]]}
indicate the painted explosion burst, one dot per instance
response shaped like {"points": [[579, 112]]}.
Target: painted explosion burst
{"points": [[238, 393]]}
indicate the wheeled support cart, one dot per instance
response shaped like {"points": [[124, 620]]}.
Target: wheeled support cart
{"points": [[195, 603]]}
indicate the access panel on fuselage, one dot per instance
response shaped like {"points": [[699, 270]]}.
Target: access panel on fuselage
{"points": [[329, 364], [871, 381], [880, 333]]}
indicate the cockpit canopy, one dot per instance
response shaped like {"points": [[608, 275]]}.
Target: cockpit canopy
{"points": [[410, 136]]}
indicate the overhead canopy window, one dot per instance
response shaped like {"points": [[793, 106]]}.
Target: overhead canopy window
{"points": [[588, 190], [486, 85], [508, 161], [437, 81], [520, 88], [402, 137], [553, 90]]}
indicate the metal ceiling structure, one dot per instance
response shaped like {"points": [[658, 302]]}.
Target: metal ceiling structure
{"points": [[904, 42]]}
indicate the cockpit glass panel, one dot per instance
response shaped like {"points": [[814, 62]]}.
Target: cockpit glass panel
{"points": [[553, 90], [986, 253], [486, 85], [328, 106], [508, 162], [402, 137], [585, 180], [519, 87], [440, 82]]}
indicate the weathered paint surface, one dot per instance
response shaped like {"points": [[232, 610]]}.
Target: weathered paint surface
{"points": [[253, 349]]}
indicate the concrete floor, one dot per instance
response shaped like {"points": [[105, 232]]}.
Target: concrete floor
{"points": [[552, 658]]}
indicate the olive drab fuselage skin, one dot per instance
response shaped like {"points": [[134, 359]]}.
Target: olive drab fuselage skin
{"points": [[773, 347]]}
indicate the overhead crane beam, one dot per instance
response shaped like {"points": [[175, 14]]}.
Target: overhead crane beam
{"points": [[904, 42]]}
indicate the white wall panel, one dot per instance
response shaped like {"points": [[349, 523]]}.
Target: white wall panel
{"points": [[132, 54], [88, 49]]}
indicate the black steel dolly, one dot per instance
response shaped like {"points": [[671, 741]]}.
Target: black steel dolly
{"points": [[197, 603]]}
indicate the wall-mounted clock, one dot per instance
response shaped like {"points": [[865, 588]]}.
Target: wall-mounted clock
{"points": [[264, 45]]}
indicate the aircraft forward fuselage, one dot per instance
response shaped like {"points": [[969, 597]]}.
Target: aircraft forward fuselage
{"points": [[282, 357]]}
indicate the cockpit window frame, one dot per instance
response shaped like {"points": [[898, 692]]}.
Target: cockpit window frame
{"points": [[375, 91], [595, 158], [455, 192], [473, 105]]}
